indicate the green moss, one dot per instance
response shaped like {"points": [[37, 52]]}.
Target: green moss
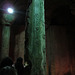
{"points": [[36, 36]]}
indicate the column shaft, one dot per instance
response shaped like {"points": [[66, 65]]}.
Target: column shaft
{"points": [[36, 38], [5, 41]]}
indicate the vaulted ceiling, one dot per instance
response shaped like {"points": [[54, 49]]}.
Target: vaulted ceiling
{"points": [[19, 5], [52, 9]]}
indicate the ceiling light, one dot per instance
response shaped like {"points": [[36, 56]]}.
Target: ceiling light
{"points": [[10, 10]]}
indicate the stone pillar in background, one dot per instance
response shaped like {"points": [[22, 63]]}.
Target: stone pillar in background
{"points": [[5, 41], [16, 49], [58, 50], [36, 38], [50, 46], [19, 45], [7, 21]]}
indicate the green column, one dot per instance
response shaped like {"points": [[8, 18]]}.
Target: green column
{"points": [[5, 41], [36, 37], [7, 20]]}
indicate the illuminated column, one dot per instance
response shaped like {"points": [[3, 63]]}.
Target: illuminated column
{"points": [[6, 21], [36, 38]]}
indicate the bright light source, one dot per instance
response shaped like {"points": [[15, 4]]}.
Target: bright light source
{"points": [[10, 10]]}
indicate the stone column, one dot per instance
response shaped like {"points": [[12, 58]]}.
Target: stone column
{"points": [[50, 46], [58, 50], [36, 38], [19, 45], [5, 41], [7, 20]]}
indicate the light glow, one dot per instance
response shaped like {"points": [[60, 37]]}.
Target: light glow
{"points": [[10, 10]]}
